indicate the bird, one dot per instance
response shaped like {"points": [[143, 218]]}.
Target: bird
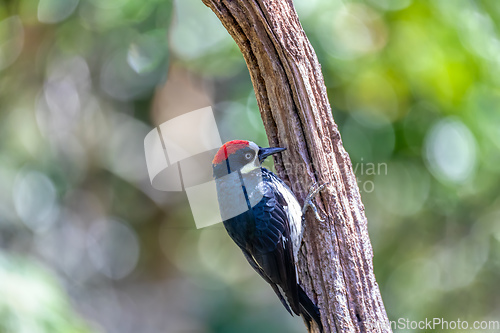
{"points": [[264, 218]]}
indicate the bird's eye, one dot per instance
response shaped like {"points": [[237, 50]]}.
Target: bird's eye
{"points": [[248, 156]]}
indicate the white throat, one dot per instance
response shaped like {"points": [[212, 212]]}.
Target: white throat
{"points": [[251, 166]]}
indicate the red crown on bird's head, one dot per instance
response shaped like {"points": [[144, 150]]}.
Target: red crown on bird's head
{"points": [[229, 148]]}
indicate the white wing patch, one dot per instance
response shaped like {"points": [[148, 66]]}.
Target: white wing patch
{"points": [[294, 214]]}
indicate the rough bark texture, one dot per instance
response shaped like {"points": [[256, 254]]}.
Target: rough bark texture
{"points": [[336, 268]]}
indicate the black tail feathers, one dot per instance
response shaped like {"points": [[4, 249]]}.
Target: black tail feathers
{"points": [[308, 310]]}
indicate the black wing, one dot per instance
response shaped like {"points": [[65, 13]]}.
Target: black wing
{"points": [[263, 234]]}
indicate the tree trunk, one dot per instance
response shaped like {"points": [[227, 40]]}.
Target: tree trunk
{"points": [[335, 263]]}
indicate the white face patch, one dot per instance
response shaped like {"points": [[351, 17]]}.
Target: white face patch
{"points": [[253, 164], [254, 146]]}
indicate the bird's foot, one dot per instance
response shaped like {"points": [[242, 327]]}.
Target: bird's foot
{"points": [[308, 202]]}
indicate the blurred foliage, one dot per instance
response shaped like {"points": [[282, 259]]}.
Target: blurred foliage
{"points": [[415, 89], [32, 301]]}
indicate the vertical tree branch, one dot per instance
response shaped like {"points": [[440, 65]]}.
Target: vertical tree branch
{"points": [[335, 266]]}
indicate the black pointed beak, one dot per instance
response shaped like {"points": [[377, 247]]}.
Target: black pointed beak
{"points": [[265, 152]]}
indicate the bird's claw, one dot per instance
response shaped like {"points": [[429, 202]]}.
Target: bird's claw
{"points": [[308, 202]]}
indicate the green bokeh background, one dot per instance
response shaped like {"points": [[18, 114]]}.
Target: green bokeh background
{"points": [[87, 245]]}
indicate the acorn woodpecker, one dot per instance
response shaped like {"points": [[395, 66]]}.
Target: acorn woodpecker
{"points": [[264, 218]]}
